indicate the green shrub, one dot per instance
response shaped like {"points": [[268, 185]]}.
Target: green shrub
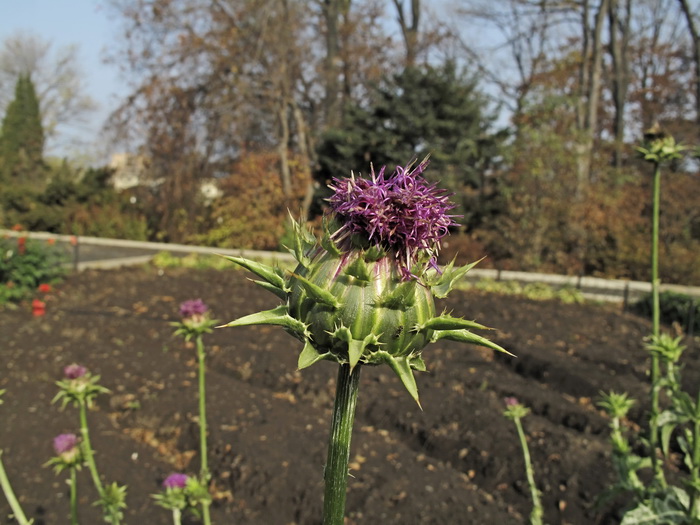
{"points": [[674, 308], [27, 263]]}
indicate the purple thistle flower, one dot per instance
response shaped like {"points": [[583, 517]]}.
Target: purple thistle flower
{"points": [[193, 307], [401, 213], [510, 401], [65, 443], [176, 481], [74, 371]]}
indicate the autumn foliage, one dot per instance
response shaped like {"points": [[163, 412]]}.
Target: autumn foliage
{"points": [[253, 211]]}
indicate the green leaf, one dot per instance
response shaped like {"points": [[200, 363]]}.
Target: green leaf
{"points": [[265, 272], [449, 277], [400, 298], [402, 368], [417, 363], [447, 322], [304, 241], [667, 508], [271, 288], [317, 293], [277, 316], [309, 355], [465, 336], [359, 270]]}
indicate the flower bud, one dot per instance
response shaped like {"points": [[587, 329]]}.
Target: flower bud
{"points": [[364, 293]]}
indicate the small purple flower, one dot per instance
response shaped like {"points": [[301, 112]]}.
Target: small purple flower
{"points": [[176, 481], [401, 213], [192, 308], [65, 443], [74, 371], [510, 401]]}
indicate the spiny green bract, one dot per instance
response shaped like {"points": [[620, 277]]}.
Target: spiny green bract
{"points": [[354, 307]]}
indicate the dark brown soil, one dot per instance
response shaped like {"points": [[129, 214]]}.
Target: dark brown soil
{"points": [[456, 462]]}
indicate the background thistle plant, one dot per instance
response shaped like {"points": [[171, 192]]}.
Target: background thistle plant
{"points": [[364, 294]]}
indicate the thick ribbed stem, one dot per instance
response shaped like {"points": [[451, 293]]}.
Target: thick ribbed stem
{"points": [[177, 513], [73, 497], [536, 514], [655, 372], [10, 496], [336, 471]]}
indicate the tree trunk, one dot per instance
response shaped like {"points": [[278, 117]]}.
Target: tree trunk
{"points": [[331, 11], [589, 90], [695, 36], [409, 31], [619, 46]]}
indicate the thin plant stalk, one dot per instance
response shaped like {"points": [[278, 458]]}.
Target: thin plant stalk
{"points": [[655, 372], [87, 450], [204, 470], [73, 497], [695, 470], [336, 471], [537, 512], [110, 516], [177, 513], [10, 496]]}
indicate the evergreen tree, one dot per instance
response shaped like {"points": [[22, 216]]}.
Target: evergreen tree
{"points": [[22, 137], [421, 111]]}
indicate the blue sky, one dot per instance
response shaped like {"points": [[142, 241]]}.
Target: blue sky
{"points": [[65, 22]]}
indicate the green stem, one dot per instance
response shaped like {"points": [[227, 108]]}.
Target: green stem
{"points": [[73, 497], [536, 514], [87, 450], [206, 519], [336, 471], [655, 251], [655, 373], [204, 469], [176, 516], [695, 470], [10, 496]]}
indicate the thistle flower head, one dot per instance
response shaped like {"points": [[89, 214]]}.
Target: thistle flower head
{"points": [[195, 319], [192, 308], [176, 481], [68, 453], [364, 293], [65, 443], [74, 371], [400, 213]]}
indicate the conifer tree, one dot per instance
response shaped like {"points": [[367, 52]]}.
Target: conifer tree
{"points": [[421, 111], [22, 137]]}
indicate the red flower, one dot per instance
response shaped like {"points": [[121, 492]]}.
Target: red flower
{"points": [[73, 240], [17, 228], [44, 288], [22, 245], [38, 308], [51, 241]]}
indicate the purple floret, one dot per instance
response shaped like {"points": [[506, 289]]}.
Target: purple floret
{"points": [[176, 481], [510, 401], [74, 371], [64, 443], [401, 213], [192, 307]]}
